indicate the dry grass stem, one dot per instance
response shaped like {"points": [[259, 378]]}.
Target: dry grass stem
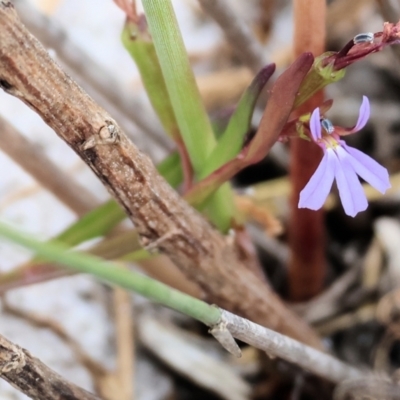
{"points": [[217, 91], [237, 33], [125, 343], [34, 161]]}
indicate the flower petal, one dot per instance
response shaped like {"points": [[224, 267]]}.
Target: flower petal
{"points": [[363, 115], [317, 189], [315, 125], [351, 192], [372, 172]]}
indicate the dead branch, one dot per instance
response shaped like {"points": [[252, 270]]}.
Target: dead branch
{"points": [[277, 345], [160, 215], [34, 161], [35, 379]]}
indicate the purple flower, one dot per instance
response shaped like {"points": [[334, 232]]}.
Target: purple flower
{"points": [[343, 163]]}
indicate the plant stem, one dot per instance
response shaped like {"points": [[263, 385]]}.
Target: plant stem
{"points": [[306, 230], [221, 321], [277, 345], [113, 273]]}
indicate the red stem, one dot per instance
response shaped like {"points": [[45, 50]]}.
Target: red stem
{"points": [[306, 231]]}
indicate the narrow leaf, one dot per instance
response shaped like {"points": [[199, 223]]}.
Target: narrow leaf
{"points": [[112, 273], [190, 113], [185, 98], [275, 116], [137, 41], [231, 141]]}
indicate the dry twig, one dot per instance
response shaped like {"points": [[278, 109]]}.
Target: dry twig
{"points": [[277, 345], [92, 76], [48, 174], [160, 215], [35, 379]]}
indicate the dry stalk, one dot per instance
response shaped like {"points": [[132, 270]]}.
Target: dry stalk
{"points": [[160, 215], [34, 161], [125, 340], [277, 345], [94, 78], [237, 33], [95, 369], [33, 378]]}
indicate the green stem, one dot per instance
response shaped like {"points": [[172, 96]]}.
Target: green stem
{"points": [[114, 274]]}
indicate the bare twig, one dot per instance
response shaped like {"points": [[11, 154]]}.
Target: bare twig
{"points": [[48, 174], [160, 215], [94, 78], [96, 370], [277, 345], [237, 33], [33, 378]]}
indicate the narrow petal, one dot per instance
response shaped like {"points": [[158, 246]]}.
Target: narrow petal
{"points": [[363, 115], [315, 125], [372, 172], [351, 192], [317, 189]]}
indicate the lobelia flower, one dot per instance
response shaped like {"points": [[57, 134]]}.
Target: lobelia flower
{"points": [[343, 163]]}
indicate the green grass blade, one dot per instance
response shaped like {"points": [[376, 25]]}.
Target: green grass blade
{"points": [[97, 222], [190, 113], [112, 273], [189, 110], [138, 43]]}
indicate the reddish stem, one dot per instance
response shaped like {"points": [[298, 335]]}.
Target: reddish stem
{"points": [[306, 230]]}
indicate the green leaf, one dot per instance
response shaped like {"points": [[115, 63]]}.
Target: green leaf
{"points": [[276, 114], [190, 113], [189, 110], [93, 224], [137, 41], [231, 141]]}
